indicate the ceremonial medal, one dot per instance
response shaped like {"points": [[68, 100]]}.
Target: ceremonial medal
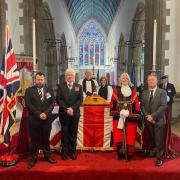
{"points": [[77, 88]]}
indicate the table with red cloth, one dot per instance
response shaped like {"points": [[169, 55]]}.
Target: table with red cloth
{"points": [[95, 128]]}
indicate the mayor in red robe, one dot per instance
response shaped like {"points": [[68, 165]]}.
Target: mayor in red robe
{"points": [[125, 109]]}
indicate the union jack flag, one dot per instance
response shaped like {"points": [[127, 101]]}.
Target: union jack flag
{"points": [[9, 86]]}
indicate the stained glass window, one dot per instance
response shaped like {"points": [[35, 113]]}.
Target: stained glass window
{"points": [[91, 46], [91, 53], [81, 54], [102, 54]]}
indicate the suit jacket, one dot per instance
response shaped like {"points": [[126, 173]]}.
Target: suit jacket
{"points": [[69, 98], [158, 104], [171, 91], [34, 103]]}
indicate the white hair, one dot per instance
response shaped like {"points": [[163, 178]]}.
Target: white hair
{"points": [[129, 80], [88, 70], [70, 70]]}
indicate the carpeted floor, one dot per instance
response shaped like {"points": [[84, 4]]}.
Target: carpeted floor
{"points": [[97, 165]]}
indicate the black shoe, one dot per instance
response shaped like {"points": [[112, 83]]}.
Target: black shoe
{"points": [[159, 162], [120, 156], [73, 156], [50, 160], [151, 154], [129, 157], [31, 163], [64, 157]]}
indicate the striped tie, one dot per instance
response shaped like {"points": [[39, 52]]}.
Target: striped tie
{"points": [[40, 91]]}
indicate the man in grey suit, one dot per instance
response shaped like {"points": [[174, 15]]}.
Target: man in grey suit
{"points": [[153, 104]]}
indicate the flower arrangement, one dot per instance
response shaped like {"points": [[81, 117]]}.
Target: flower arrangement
{"points": [[8, 160]]}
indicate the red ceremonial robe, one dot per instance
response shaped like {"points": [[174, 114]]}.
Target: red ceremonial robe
{"points": [[131, 125]]}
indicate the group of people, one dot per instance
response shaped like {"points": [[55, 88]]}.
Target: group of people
{"points": [[40, 102], [125, 109]]}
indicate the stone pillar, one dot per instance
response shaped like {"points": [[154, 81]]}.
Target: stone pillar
{"points": [[3, 8], [138, 73], [154, 9]]}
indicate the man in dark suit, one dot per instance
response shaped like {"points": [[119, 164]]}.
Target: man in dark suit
{"points": [[153, 104], [170, 89], [69, 98], [39, 100]]}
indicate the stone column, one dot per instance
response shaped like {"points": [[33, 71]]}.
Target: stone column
{"points": [[3, 8], [154, 9]]}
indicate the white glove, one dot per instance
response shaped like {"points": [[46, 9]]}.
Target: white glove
{"points": [[123, 115]]}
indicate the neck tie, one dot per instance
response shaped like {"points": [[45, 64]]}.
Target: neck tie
{"points": [[40, 91], [150, 100], [164, 86], [70, 86]]}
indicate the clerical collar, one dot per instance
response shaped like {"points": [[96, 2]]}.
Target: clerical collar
{"points": [[87, 79]]}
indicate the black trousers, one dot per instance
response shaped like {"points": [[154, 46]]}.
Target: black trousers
{"points": [[39, 135], [69, 133], [156, 133]]}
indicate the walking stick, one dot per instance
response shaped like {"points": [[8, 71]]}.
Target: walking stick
{"points": [[124, 140], [125, 103]]}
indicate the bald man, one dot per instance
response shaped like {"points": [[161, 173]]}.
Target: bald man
{"points": [[88, 83]]}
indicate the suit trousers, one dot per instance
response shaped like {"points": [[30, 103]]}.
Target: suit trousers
{"points": [[69, 134], [156, 133], [39, 134]]}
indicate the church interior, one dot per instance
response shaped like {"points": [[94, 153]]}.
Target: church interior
{"points": [[108, 36]]}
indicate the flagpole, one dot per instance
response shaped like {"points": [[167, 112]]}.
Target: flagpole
{"points": [[9, 144], [34, 45], [5, 70]]}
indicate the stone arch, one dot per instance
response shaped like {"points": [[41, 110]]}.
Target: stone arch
{"points": [[121, 56], [63, 58], [46, 46], [136, 45]]}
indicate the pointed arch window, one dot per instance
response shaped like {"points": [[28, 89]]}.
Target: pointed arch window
{"points": [[91, 46]]}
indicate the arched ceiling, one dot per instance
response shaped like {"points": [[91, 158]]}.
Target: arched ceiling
{"points": [[103, 11]]}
